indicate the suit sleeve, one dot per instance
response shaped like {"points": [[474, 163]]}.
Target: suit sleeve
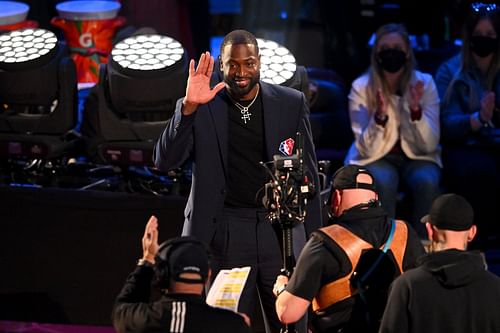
{"points": [[313, 217], [176, 142]]}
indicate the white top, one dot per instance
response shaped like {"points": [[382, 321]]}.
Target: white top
{"points": [[12, 12], [419, 139], [88, 10]]}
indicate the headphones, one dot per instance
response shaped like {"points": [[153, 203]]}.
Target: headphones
{"points": [[162, 260]]}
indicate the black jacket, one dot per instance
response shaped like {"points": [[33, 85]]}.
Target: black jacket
{"points": [[450, 292], [171, 313]]}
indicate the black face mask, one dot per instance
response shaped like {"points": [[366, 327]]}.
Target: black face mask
{"points": [[391, 60], [483, 46]]}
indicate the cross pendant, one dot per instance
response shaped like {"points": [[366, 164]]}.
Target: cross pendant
{"points": [[245, 117]]}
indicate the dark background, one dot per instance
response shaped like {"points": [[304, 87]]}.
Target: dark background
{"points": [[65, 253]]}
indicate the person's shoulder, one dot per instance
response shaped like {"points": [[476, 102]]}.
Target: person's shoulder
{"points": [[411, 278], [361, 81], [281, 90], [424, 77], [450, 65], [454, 61]]}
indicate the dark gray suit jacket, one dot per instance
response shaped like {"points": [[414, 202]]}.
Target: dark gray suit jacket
{"points": [[203, 136]]}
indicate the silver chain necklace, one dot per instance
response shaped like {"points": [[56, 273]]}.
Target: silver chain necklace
{"points": [[245, 114]]}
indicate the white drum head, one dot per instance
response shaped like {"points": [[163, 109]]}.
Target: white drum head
{"points": [[12, 12], [88, 10]]}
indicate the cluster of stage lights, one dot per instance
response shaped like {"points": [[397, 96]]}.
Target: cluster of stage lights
{"points": [[277, 63], [26, 45], [147, 52]]}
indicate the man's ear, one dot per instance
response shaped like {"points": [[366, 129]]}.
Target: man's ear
{"points": [[471, 233], [336, 200], [430, 230]]}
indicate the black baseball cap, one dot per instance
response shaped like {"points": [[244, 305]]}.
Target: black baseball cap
{"points": [[190, 257], [346, 178], [450, 212]]}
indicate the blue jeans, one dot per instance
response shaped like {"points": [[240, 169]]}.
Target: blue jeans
{"points": [[420, 178]]}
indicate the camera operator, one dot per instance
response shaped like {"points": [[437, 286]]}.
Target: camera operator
{"points": [[181, 267], [328, 260]]}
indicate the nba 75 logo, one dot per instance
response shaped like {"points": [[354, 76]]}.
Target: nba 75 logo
{"points": [[286, 147]]}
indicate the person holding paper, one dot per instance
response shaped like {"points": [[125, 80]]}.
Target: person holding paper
{"points": [[181, 267]]}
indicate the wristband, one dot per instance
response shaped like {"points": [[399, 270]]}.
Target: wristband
{"points": [[416, 114], [381, 119], [145, 263], [280, 290]]}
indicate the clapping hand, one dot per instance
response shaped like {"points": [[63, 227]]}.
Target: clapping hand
{"points": [[150, 240], [487, 106], [381, 104], [416, 93]]}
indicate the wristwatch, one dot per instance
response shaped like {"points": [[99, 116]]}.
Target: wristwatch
{"points": [[280, 290]]}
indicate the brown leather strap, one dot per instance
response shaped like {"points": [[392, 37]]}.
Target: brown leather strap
{"points": [[353, 246], [340, 289], [398, 245]]}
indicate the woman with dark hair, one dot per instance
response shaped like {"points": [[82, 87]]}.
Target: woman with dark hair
{"points": [[394, 111], [470, 90]]}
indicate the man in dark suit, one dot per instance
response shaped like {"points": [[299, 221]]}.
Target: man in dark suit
{"points": [[227, 131]]}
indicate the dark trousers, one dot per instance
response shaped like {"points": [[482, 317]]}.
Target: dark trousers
{"points": [[244, 237]]}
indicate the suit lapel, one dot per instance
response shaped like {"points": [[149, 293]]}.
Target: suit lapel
{"points": [[272, 119], [218, 111]]}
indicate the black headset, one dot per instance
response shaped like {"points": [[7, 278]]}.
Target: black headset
{"points": [[162, 260]]}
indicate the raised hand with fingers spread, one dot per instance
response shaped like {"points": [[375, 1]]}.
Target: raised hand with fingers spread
{"points": [[198, 89]]}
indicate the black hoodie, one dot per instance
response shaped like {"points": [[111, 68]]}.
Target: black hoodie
{"points": [[451, 291]]}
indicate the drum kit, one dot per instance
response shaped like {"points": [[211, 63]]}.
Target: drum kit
{"points": [[88, 28]]}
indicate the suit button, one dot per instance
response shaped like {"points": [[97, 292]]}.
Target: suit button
{"points": [[222, 191]]}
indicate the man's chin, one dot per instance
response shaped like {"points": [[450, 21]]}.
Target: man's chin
{"points": [[238, 92]]}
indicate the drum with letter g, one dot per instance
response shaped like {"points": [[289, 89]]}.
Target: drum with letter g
{"points": [[88, 27]]}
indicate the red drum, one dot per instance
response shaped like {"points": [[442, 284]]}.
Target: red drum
{"points": [[13, 16], [88, 27]]}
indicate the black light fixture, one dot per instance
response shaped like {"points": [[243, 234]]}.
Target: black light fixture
{"points": [[38, 94], [136, 95]]}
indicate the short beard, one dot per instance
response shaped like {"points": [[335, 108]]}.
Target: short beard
{"points": [[237, 92]]}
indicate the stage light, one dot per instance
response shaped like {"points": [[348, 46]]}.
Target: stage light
{"points": [[277, 63], [136, 95], [19, 47], [147, 52], [37, 93]]}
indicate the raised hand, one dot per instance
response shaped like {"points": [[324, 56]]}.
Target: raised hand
{"points": [[198, 89], [150, 240], [416, 93], [487, 106], [381, 105]]}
